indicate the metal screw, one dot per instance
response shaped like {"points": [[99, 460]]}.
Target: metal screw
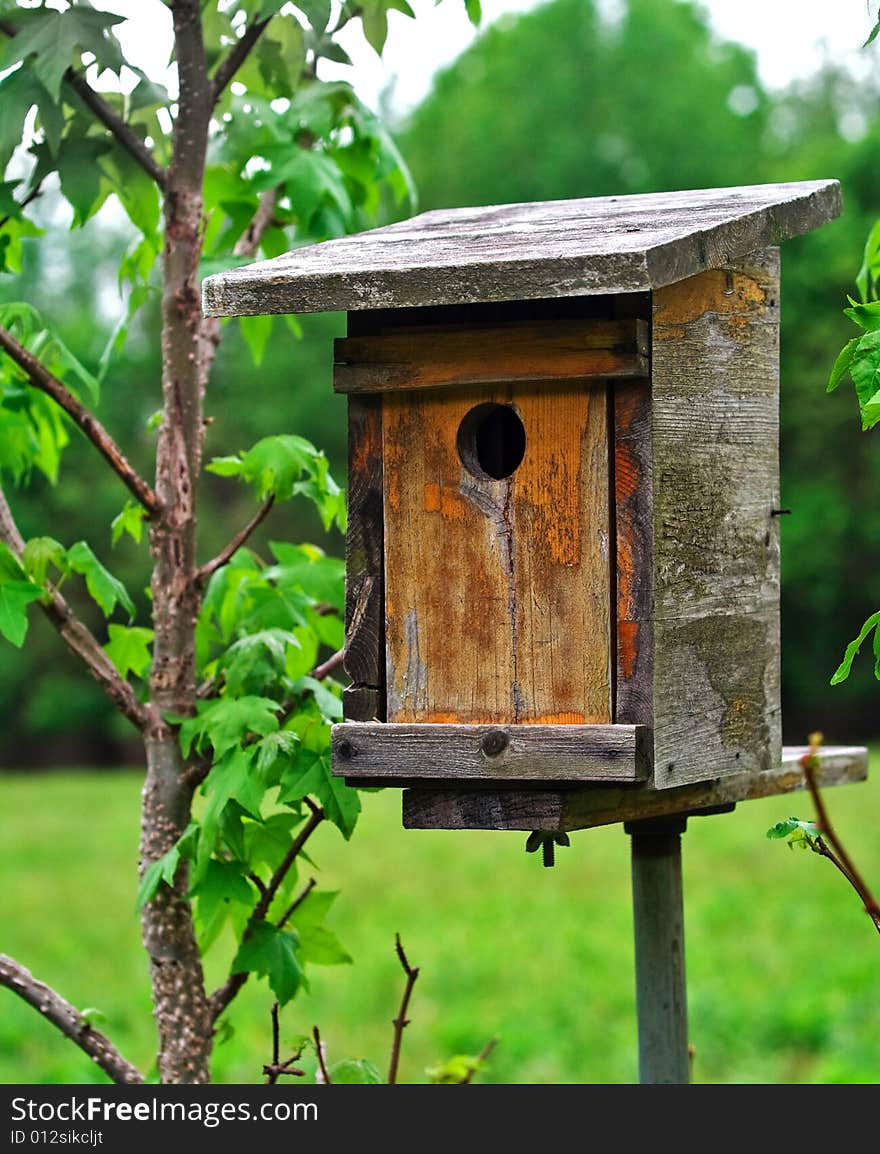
{"points": [[346, 750]]}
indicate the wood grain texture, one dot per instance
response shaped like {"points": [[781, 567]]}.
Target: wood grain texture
{"points": [[497, 591], [565, 810], [394, 754], [609, 244], [552, 351], [715, 445], [633, 533], [364, 580]]}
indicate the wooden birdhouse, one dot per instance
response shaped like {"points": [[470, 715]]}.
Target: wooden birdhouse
{"points": [[563, 545]]}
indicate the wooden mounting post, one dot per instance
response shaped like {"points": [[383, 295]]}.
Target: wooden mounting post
{"points": [[658, 917]]}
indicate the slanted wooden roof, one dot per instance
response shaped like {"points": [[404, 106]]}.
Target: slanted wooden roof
{"points": [[557, 248]]}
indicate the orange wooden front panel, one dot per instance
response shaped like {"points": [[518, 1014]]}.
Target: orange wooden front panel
{"points": [[498, 591]]}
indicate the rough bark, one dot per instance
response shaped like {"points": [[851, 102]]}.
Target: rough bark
{"points": [[180, 1003]]}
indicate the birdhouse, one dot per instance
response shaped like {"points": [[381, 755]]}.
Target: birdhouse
{"points": [[563, 543]]}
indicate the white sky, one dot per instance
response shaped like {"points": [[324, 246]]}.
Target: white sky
{"points": [[790, 36]]}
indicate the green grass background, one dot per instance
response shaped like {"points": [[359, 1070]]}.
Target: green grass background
{"points": [[783, 966]]}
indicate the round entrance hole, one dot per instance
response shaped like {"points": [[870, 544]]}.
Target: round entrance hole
{"points": [[491, 441]]}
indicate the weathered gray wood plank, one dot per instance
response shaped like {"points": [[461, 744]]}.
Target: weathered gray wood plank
{"points": [[518, 753], [612, 244], [714, 437], [565, 810], [364, 548]]}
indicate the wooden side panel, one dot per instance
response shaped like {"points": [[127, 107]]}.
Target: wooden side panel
{"points": [[548, 809], [411, 358], [497, 592], [716, 554], [631, 408], [396, 754], [364, 574]]}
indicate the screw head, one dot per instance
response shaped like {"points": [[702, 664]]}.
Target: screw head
{"points": [[494, 742], [345, 750]]}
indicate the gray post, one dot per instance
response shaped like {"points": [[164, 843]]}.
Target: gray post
{"points": [[658, 915]]}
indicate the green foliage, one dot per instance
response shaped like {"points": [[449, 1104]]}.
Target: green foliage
{"points": [[804, 834], [272, 953], [454, 1071], [129, 649], [355, 1072], [287, 466], [105, 589], [843, 670]]}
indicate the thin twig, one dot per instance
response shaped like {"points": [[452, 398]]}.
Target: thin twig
{"points": [[78, 638], [229, 65], [224, 994], [322, 1063], [276, 1068], [202, 575], [295, 904], [108, 117], [69, 1021], [329, 666], [840, 856], [401, 1021], [481, 1058], [40, 378]]}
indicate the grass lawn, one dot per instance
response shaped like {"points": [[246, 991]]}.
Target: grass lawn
{"points": [[784, 968]]}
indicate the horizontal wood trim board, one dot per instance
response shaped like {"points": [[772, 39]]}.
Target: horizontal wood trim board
{"points": [[568, 810], [551, 351], [494, 753]]}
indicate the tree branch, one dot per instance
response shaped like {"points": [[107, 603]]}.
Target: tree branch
{"points": [[839, 857], [401, 1021], [111, 119], [295, 904], [481, 1058], [276, 1068], [230, 64], [78, 638], [224, 994], [202, 574], [40, 378], [322, 1061], [69, 1021], [329, 666], [35, 192]]}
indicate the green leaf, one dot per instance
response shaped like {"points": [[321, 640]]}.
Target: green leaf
{"points": [[864, 369], [870, 264], [55, 40], [256, 332], [843, 670], [355, 1072], [454, 1071], [317, 12], [221, 886], [311, 775], [83, 180], [474, 11], [224, 723], [103, 587], [19, 92], [129, 649], [15, 596], [329, 704], [875, 32], [160, 871], [374, 17], [255, 662], [269, 952], [41, 552], [842, 363], [866, 316], [786, 828], [130, 521]]}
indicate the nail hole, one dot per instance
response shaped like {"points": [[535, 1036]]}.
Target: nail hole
{"points": [[491, 441], [345, 750]]}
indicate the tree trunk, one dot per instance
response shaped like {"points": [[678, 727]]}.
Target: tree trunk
{"points": [[179, 999]]}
